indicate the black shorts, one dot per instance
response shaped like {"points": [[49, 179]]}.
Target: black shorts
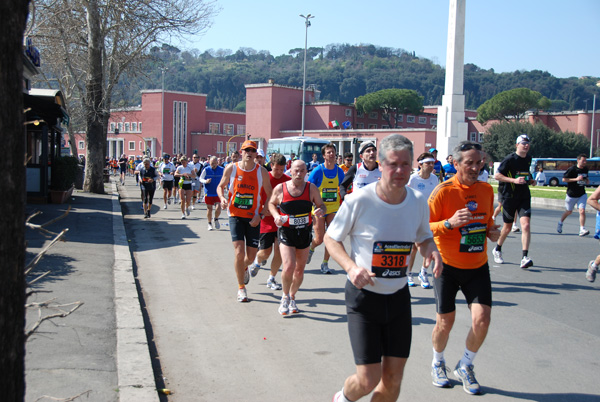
{"points": [[266, 240], [186, 186], [147, 192], [123, 169], [241, 230], [522, 205], [475, 284], [298, 238], [167, 184], [378, 325]]}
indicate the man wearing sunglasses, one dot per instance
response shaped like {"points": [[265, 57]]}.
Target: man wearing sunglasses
{"points": [[461, 220], [515, 179], [246, 181]]}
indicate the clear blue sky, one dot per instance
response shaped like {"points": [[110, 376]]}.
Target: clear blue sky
{"points": [[557, 36]]}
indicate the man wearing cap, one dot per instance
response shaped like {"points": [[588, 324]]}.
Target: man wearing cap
{"points": [[515, 179], [438, 169], [245, 180], [166, 170], [260, 158], [363, 173]]}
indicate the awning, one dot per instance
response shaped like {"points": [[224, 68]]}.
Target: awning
{"points": [[46, 105]]}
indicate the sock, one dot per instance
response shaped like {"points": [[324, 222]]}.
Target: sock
{"points": [[467, 358], [325, 261], [525, 252], [498, 247], [241, 286], [424, 271], [312, 250], [271, 277], [341, 397], [438, 357], [256, 260]]}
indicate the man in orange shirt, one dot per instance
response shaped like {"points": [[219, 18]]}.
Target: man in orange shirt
{"points": [[245, 180], [460, 218]]}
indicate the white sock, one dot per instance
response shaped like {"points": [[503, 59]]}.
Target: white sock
{"points": [[594, 266], [271, 277], [424, 271], [256, 260], [438, 357], [468, 358], [341, 397]]}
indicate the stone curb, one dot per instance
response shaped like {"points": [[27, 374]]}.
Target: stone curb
{"points": [[134, 367]]}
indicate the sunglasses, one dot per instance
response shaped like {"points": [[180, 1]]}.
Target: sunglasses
{"points": [[468, 146], [250, 149]]}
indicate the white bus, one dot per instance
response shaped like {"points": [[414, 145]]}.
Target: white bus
{"points": [[554, 169], [303, 147]]}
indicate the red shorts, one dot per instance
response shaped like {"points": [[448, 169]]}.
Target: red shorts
{"points": [[211, 200]]}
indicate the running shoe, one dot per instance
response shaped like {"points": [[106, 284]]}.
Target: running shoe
{"points": [[411, 282], [273, 285], [337, 397], [466, 375], [242, 296], [217, 224], [246, 276], [438, 375], [424, 281], [149, 214], [182, 216], [263, 262], [325, 269], [310, 254], [187, 211], [583, 232], [284, 308], [209, 226], [193, 207], [498, 256], [145, 215], [165, 207], [559, 227], [590, 275], [254, 269], [169, 200], [526, 262], [516, 229], [293, 307]]}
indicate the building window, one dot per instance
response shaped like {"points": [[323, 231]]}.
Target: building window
{"points": [[241, 129], [120, 126], [133, 127], [373, 115], [232, 148], [214, 128], [480, 137], [219, 147], [81, 145], [372, 126], [410, 119], [228, 129], [422, 120], [433, 121], [399, 118], [112, 127], [360, 114], [473, 137], [360, 126], [142, 146], [126, 127], [132, 145], [348, 112], [140, 126]]}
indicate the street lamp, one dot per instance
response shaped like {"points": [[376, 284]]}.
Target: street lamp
{"points": [[162, 111], [307, 24]]}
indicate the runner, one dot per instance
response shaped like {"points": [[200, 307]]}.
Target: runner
{"points": [[137, 166], [362, 173], [424, 181], [245, 180], [592, 201], [376, 293], [461, 218], [327, 177], [148, 177], [186, 173], [123, 167], [514, 177], [291, 209], [438, 169], [449, 169], [198, 166], [211, 177], [166, 170], [576, 178], [348, 159], [268, 229]]}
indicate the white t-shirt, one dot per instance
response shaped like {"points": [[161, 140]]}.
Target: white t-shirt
{"points": [[183, 170], [540, 178], [167, 169], [483, 175], [425, 186], [384, 230]]}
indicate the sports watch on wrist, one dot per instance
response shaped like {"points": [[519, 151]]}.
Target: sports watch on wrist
{"points": [[448, 225]]}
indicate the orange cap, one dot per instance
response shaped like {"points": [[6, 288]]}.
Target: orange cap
{"points": [[249, 144]]}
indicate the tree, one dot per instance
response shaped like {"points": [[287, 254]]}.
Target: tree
{"points": [[12, 219], [511, 104], [96, 42], [392, 102]]}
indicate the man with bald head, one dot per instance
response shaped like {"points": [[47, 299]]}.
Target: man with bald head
{"points": [[210, 177]]}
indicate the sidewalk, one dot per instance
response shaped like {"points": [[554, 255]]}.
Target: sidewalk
{"points": [[100, 350]]}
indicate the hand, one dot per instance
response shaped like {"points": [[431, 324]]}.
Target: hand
{"points": [[255, 221], [224, 204], [493, 233], [281, 220], [460, 217], [208, 181], [438, 266], [360, 277], [520, 180], [319, 213]]}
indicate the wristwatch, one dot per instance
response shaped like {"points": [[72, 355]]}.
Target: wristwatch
{"points": [[448, 225]]}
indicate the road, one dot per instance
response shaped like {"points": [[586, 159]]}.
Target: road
{"points": [[542, 345]]}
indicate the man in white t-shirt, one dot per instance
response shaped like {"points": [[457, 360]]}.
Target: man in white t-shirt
{"points": [[380, 251], [166, 169], [424, 181]]}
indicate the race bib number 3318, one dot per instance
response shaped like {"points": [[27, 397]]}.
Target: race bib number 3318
{"points": [[390, 259]]}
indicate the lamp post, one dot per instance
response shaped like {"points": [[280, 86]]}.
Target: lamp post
{"points": [[307, 24], [592, 131], [162, 110]]}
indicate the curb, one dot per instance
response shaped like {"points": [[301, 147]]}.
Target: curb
{"points": [[134, 368]]}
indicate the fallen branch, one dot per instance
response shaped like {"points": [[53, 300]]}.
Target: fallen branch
{"points": [[46, 304], [41, 227], [64, 399], [38, 257]]}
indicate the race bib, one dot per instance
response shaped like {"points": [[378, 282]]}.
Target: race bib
{"points": [[146, 179], [166, 170], [472, 238], [329, 194], [243, 201], [390, 259], [524, 175], [298, 221]]}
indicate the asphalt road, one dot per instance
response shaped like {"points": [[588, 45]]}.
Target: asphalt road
{"points": [[542, 345]]}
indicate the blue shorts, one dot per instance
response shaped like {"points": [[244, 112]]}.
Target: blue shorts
{"points": [[241, 230]]}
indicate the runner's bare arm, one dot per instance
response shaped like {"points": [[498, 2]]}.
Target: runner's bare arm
{"points": [[315, 197], [430, 252], [593, 199], [274, 202], [359, 276]]}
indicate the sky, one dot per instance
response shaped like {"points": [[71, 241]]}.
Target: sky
{"points": [[557, 36]]}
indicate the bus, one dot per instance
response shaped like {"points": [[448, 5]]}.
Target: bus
{"points": [[554, 169], [303, 147]]}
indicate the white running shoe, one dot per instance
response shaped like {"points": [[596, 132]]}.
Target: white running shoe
{"points": [[284, 308], [293, 307], [165, 207], [590, 275], [210, 226], [217, 224], [526, 262], [411, 281], [242, 295], [583, 232], [559, 227], [193, 207], [254, 268], [325, 268], [273, 285], [497, 256], [424, 281], [516, 229], [187, 211]]}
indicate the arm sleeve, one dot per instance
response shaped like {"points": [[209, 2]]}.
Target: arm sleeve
{"points": [[203, 176]]}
